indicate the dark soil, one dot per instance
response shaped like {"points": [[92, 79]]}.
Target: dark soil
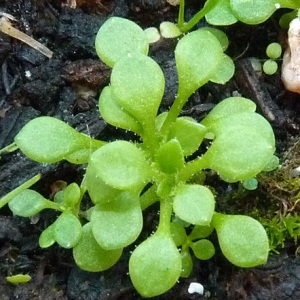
{"points": [[67, 86]]}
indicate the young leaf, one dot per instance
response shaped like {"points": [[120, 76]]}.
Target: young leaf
{"points": [[118, 223], [72, 194], [187, 263], [198, 55], [170, 157], [28, 203], [155, 265], [243, 240], [47, 237], [118, 37], [114, 114], [200, 232], [138, 84], [194, 204], [203, 249], [121, 165], [67, 230], [189, 133], [178, 233], [49, 140], [243, 145], [88, 254]]}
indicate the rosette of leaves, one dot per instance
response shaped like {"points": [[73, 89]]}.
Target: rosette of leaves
{"points": [[123, 178]]}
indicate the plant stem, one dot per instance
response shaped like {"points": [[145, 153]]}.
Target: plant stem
{"points": [[191, 168], [149, 197], [173, 114], [180, 22], [208, 6], [19, 189], [166, 209]]}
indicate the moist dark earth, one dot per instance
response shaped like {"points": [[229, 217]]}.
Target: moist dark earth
{"points": [[67, 86]]}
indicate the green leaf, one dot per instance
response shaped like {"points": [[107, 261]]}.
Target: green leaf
{"points": [[253, 11], [220, 35], [169, 30], [224, 72], [98, 190], [118, 223], [49, 140], [228, 107], [28, 203], [198, 56], [121, 165], [67, 230], [221, 14], [170, 157], [187, 263], [203, 249], [88, 254], [178, 233], [243, 145], [200, 232], [243, 240], [155, 265], [47, 237], [119, 37], [72, 194], [189, 133], [138, 84], [194, 204], [114, 114]]}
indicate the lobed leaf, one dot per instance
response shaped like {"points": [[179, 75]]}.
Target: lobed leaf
{"points": [[118, 223], [118, 37], [242, 239], [88, 254], [194, 204], [224, 72], [198, 55], [138, 84], [155, 265], [243, 145], [228, 107], [49, 140], [113, 113]]}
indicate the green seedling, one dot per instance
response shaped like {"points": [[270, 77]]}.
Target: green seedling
{"points": [[123, 178], [273, 51]]}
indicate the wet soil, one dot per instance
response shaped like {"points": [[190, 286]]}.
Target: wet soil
{"points": [[67, 86]]}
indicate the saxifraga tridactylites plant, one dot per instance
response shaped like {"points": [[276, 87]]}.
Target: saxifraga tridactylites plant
{"points": [[123, 178]]}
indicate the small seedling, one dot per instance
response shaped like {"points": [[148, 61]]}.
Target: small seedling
{"points": [[123, 178]]}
